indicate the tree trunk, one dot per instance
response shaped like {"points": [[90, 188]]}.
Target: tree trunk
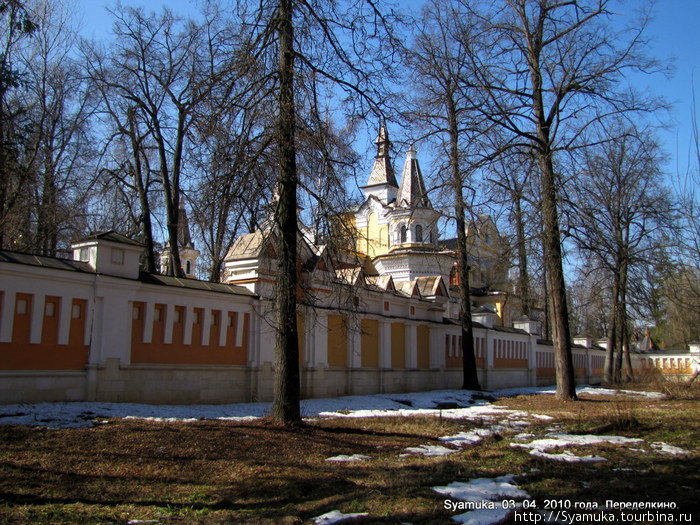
{"points": [[470, 378], [609, 375], [566, 382], [145, 218], [624, 332], [523, 276], [563, 360], [285, 408]]}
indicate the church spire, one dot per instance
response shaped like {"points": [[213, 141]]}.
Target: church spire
{"points": [[184, 238], [412, 193], [383, 171]]}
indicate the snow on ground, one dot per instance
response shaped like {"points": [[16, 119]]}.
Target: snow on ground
{"points": [[431, 450], [468, 438], [454, 404], [665, 448], [610, 392], [483, 516], [335, 516], [482, 490], [343, 457], [539, 447], [566, 456]]}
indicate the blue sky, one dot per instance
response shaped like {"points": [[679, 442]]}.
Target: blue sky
{"points": [[674, 33]]}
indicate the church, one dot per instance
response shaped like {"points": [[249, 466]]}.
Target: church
{"points": [[392, 239]]}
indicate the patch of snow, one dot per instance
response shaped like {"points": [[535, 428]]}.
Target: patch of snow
{"points": [[518, 423], [483, 489], [483, 516], [539, 447], [86, 414], [665, 448], [343, 457], [431, 450], [335, 516], [165, 419], [619, 392], [566, 456], [468, 438], [563, 440]]}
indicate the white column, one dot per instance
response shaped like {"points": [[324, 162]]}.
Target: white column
{"points": [[239, 329], [169, 323], [8, 317], [354, 341], [206, 327], [188, 321], [37, 319], [532, 360], [384, 344], [89, 326], [149, 309], [223, 329], [96, 331], [490, 351], [411, 345], [321, 339]]}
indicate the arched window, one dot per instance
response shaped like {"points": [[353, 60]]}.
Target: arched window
{"points": [[402, 233], [188, 270], [419, 233], [432, 237]]}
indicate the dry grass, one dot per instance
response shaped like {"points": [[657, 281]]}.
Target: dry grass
{"points": [[223, 472]]}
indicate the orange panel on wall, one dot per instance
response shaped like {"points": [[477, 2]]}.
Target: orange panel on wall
{"points": [[20, 354]]}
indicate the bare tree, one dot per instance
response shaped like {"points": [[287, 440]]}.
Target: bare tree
{"points": [[16, 24], [126, 153], [441, 63], [622, 207], [163, 68], [511, 176], [321, 49], [548, 70], [60, 105]]}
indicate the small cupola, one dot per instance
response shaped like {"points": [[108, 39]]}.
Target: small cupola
{"points": [[110, 253]]}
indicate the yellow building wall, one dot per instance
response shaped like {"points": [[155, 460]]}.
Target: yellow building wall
{"points": [[370, 343], [398, 345], [373, 239], [337, 340], [423, 347]]}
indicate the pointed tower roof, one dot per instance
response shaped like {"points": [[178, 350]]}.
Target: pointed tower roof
{"points": [[412, 193], [383, 171], [184, 239]]}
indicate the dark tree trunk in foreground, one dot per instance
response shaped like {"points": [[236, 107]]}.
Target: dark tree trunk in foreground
{"points": [[609, 375], [285, 408], [145, 207], [470, 379], [563, 360]]}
